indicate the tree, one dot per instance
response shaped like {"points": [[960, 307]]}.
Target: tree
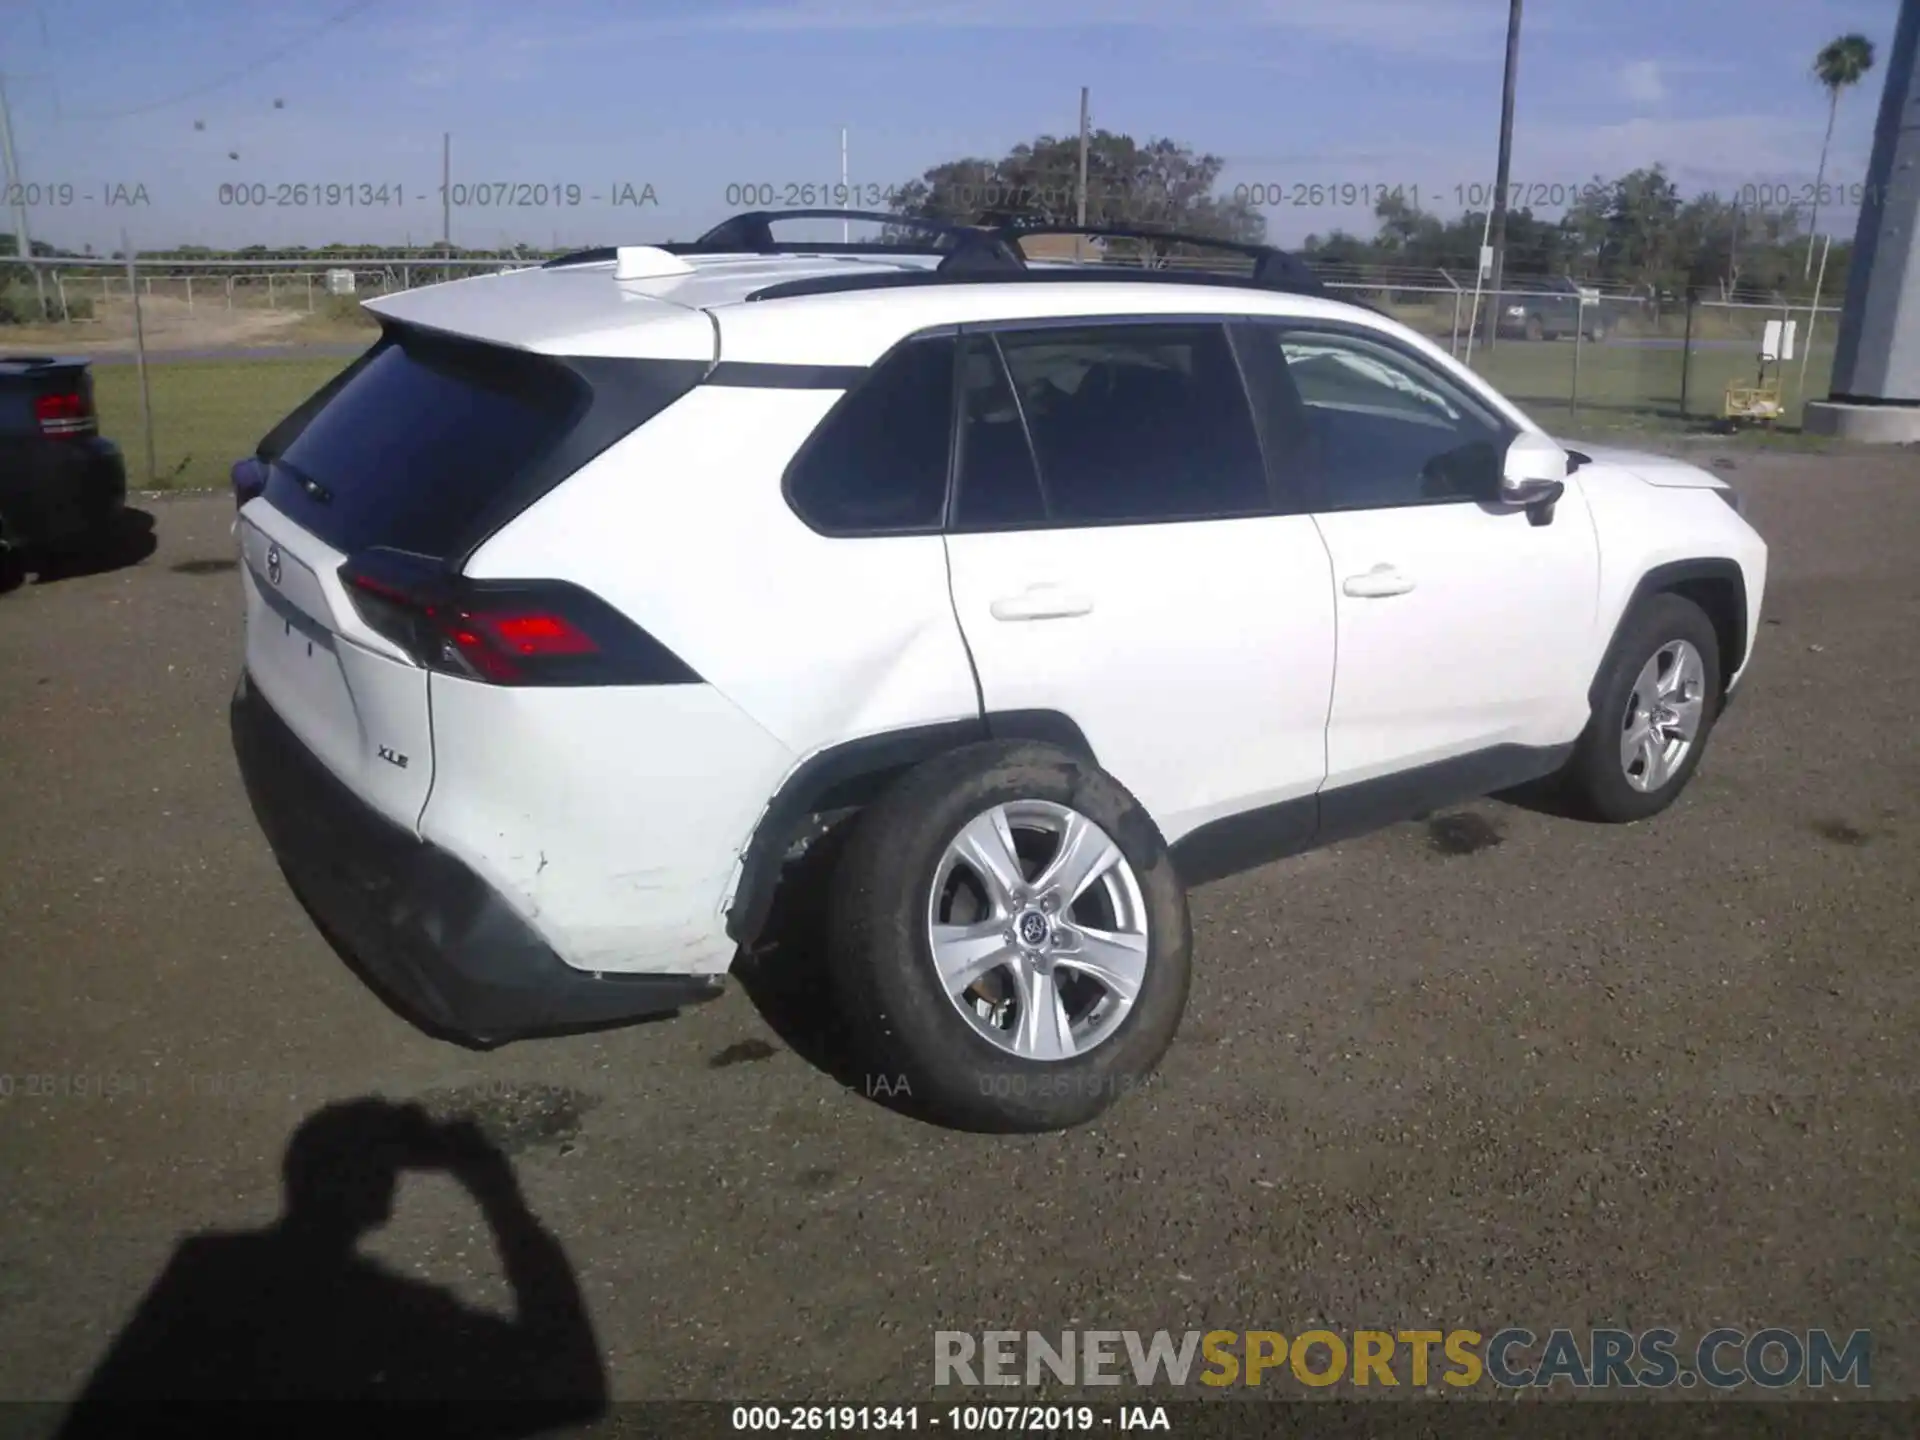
{"points": [[1161, 185], [1641, 229], [1840, 65]]}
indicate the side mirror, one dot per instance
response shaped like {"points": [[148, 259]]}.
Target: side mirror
{"points": [[1534, 475]]}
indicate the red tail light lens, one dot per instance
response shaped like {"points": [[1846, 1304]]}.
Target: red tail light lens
{"points": [[535, 634], [65, 412], [505, 632]]}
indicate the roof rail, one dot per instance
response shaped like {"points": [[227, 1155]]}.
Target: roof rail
{"points": [[965, 249], [753, 230], [1272, 269], [969, 252]]}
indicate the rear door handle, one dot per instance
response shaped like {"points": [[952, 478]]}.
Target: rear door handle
{"points": [[1377, 583], [1041, 602]]}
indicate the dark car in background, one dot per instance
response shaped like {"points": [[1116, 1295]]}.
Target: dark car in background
{"points": [[63, 486], [1556, 311]]}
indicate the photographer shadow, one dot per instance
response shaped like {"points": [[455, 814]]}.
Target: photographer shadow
{"points": [[245, 1332]]}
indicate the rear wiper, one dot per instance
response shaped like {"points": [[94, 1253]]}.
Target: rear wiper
{"points": [[315, 490]]}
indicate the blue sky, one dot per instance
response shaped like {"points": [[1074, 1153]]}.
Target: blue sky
{"points": [[692, 96]]}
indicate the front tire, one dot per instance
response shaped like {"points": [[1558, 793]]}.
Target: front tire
{"points": [[1658, 700], [1010, 938]]}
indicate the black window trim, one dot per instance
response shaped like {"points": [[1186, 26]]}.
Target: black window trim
{"points": [[1312, 488], [1291, 490], [957, 462], [807, 446], [1279, 500]]}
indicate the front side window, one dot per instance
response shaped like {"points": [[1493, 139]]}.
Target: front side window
{"points": [[1377, 428], [1107, 424]]}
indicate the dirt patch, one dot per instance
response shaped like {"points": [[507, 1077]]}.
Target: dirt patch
{"points": [[1463, 834], [169, 323], [515, 1116]]}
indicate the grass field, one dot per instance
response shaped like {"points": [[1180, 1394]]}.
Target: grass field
{"points": [[1639, 380], [207, 414]]}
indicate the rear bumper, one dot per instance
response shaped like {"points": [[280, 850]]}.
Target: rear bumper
{"points": [[61, 492], [426, 930]]}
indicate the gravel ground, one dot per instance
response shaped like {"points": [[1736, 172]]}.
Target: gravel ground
{"points": [[1496, 1068]]}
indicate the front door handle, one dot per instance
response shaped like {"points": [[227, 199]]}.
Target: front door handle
{"points": [[1381, 581], [1041, 602]]}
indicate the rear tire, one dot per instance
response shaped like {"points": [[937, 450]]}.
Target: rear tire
{"points": [[964, 1044], [1658, 700]]}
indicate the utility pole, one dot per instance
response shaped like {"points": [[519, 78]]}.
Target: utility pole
{"points": [[1503, 169], [846, 231], [1080, 185], [23, 245], [140, 352], [446, 196], [1733, 256]]}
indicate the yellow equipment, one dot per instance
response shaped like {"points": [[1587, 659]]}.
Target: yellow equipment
{"points": [[1760, 401]]}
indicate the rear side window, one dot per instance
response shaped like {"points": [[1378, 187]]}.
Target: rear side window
{"points": [[1137, 423], [878, 463], [416, 445]]}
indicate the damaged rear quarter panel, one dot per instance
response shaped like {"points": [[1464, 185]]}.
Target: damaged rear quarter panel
{"points": [[609, 818]]}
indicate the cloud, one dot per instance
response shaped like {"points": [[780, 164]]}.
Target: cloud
{"points": [[1438, 28], [1641, 81], [1707, 152], [1393, 22]]}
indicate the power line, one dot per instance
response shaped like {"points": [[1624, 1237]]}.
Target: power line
{"points": [[245, 71]]}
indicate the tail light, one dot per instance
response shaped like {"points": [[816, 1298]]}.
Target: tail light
{"points": [[66, 413], [505, 632]]}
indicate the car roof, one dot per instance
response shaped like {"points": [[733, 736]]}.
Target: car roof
{"points": [[39, 365], [580, 308]]}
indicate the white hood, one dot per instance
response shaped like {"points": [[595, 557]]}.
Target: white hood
{"points": [[1663, 470]]}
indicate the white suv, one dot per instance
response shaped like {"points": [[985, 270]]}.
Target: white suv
{"points": [[581, 599]]}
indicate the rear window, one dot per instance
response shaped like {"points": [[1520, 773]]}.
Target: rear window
{"points": [[421, 439]]}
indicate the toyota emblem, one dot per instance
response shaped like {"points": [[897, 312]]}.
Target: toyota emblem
{"points": [[273, 563]]}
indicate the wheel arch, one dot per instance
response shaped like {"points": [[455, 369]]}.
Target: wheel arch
{"points": [[1716, 584], [851, 775]]}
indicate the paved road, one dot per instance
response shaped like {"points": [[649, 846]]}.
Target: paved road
{"points": [[1495, 1068]]}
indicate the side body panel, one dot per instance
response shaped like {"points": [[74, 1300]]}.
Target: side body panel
{"points": [[802, 642], [1644, 527]]}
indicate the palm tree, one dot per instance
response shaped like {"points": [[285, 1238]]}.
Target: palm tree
{"points": [[1839, 66]]}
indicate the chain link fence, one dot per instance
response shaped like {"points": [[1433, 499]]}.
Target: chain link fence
{"points": [[193, 361], [214, 352]]}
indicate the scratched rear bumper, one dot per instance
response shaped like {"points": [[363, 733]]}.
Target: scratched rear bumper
{"points": [[420, 926]]}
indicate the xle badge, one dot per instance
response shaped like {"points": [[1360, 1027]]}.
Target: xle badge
{"points": [[393, 757]]}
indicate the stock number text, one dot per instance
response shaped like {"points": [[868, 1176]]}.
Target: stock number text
{"points": [[1333, 193], [260, 195]]}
